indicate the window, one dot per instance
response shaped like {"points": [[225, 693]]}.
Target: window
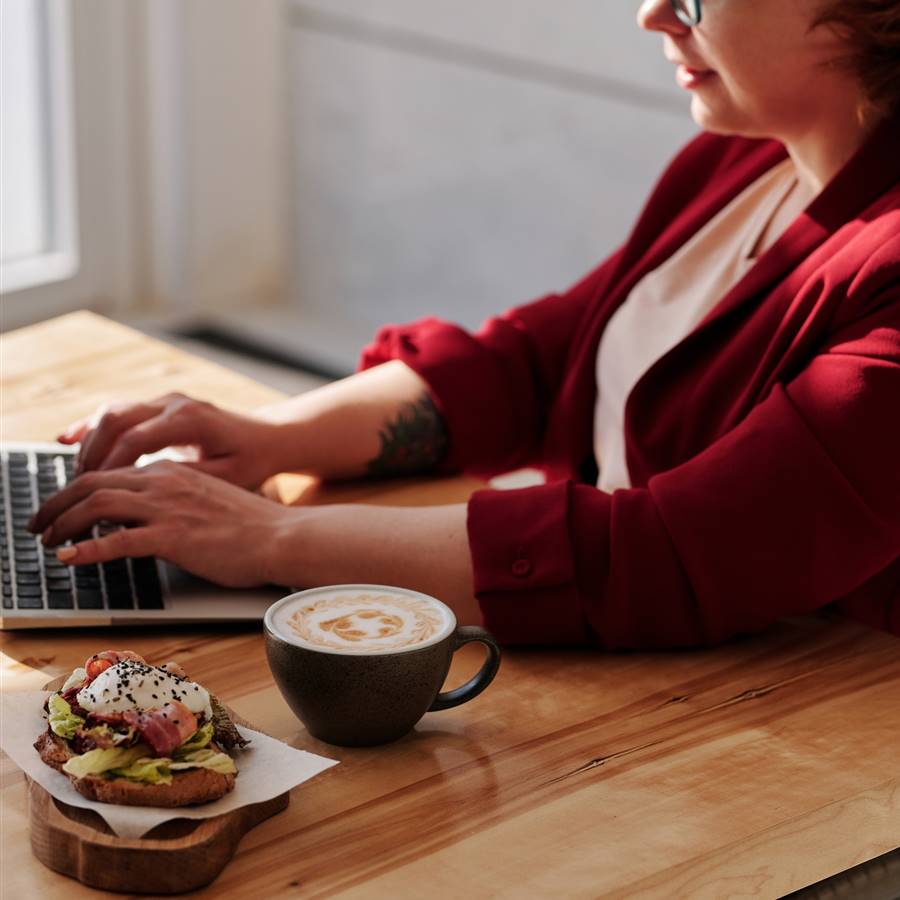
{"points": [[39, 235]]}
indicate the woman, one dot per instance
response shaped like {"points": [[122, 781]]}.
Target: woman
{"points": [[715, 406]]}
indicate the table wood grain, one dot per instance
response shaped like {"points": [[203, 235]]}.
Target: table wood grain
{"points": [[752, 770]]}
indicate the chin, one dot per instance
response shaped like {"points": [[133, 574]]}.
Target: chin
{"points": [[718, 120]]}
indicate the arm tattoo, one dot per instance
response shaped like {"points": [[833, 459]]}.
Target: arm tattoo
{"points": [[415, 441]]}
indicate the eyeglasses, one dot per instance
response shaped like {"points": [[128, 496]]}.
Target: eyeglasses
{"points": [[688, 11]]}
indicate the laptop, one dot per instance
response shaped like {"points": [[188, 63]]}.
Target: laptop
{"points": [[41, 592]]}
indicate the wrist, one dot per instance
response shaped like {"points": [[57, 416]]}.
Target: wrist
{"points": [[280, 448], [282, 556]]}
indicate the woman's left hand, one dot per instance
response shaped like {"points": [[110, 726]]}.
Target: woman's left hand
{"points": [[197, 521]]}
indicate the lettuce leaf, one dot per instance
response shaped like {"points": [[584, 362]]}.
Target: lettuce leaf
{"points": [[100, 760], [150, 769], [62, 720], [197, 741], [137, 764], [226, 732], [76, 678], [206, 759]]}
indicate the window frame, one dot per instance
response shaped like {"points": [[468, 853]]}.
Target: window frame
{"points": [[87, 85]]}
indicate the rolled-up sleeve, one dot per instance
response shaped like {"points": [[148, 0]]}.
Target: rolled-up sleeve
{"points": [[793, 509], [494, 387]]}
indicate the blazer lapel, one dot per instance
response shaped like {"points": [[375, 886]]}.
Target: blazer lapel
{"points": [[867, 175]]}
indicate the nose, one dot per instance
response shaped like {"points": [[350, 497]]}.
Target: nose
{"points": [[658, 15]]}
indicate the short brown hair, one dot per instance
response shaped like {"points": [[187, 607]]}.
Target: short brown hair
{"points": [[871, 29]]}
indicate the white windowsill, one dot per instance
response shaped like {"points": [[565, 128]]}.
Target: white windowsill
{"points": [[17, 275]]}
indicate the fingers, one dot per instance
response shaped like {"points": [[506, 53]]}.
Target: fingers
{"points": [[107, 427], [221, 467], [126, 542], [74, 433], [105, 504], [148, 437], [81, 487]]}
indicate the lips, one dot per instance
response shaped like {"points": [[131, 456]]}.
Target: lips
{"points": [[689, 78]]}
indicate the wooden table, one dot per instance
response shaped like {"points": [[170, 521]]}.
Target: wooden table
{"points": [[751, 770]]}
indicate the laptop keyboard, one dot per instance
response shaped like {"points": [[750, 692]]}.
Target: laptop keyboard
{"points": [[33, 578]]}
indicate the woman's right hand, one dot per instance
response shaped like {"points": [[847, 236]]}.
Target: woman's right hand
{"points": [[236, 448]]}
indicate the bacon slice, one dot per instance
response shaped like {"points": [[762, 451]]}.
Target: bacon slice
{"points": [[71, 697], [163, 729]]}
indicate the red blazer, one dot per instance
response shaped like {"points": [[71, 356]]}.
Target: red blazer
{"points": [[764, 449]]}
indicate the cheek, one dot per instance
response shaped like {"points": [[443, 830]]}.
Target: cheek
{"points": [[760, 69]]}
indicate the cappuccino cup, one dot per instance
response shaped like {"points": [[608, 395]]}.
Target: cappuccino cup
{"points": [[360, 664]]}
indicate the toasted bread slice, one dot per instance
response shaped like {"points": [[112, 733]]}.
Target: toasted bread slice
{"points": [[189, 786]]}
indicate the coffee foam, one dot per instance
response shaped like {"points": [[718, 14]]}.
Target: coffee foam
{"points": [[361, 620]]}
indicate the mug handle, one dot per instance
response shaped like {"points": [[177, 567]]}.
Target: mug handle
{"points": [[466, 634]]}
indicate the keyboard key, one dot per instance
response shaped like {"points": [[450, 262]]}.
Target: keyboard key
{"points": [[146, 583], [59, 600], [119, 598], [89, 599], [116, 573], [27, 567], [87, 582], [28, 577], [144, 567], [59, 584], [30, 602], [29, 590]]}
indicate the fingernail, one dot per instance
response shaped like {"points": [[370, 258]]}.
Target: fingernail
{"points": [[47, 535], [64, 554]]}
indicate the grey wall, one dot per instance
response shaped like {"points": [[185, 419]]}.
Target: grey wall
{"points": [[460, 157]]}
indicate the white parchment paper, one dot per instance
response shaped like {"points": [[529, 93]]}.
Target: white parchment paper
{"points": [[265, 769]]}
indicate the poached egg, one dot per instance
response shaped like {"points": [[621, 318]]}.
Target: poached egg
{"points": [[130, 684]]}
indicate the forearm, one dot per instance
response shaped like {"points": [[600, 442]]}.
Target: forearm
{"points": [[377, 422], [425, 549]]}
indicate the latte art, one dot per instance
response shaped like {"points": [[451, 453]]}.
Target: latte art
{"points": [[362, 621]]}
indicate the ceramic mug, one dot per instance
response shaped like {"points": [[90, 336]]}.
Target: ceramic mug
{"points": [[360, 664]]}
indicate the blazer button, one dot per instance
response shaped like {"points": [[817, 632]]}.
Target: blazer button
{"points": [[521, 568]]}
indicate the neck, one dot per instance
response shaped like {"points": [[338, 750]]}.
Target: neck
{"points": [[821, 152]]}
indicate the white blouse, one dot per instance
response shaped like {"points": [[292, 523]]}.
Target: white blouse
{"points": [[669, 302]]}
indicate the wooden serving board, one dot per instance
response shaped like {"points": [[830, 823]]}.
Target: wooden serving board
{"points": [[177, 856]]}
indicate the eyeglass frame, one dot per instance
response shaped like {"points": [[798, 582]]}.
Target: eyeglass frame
{"points": [[681, 8]]}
